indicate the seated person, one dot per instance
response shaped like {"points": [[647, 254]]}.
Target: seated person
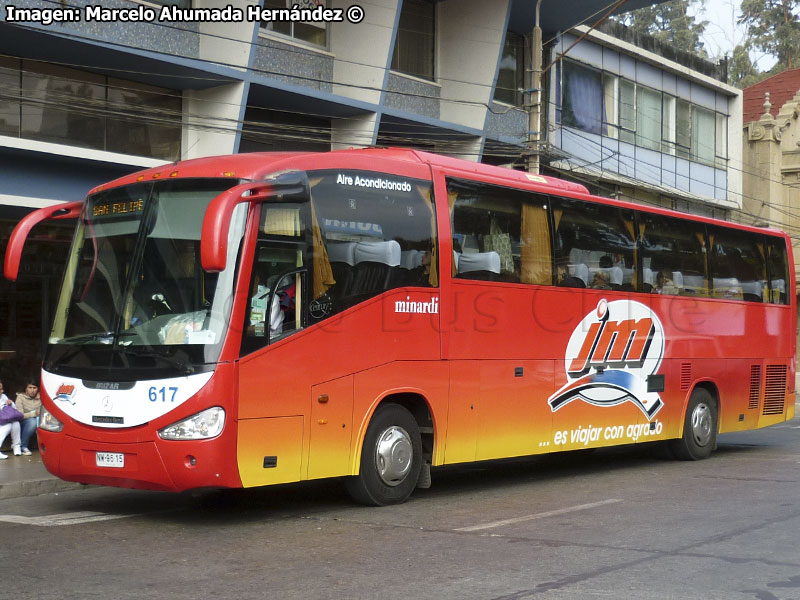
{"points": [[422, 274], [565, 279], [562, 272], [258, 314], [29, 404], [283, 302], [664, 284], [601, 281]]}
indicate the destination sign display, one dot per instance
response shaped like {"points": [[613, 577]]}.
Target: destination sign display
{"points": [[102, 209]]}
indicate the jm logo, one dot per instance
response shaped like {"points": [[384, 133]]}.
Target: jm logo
{"points": [[610, 355], [65, 393]]}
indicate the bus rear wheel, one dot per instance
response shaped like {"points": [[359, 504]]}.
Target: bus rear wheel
{"points": [[699, 428], [391, 458]]}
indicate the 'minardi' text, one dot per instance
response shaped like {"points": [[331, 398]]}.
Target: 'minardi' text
{"points": [[409, 306]]}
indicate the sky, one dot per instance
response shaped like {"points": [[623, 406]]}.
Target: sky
{"points": [[722, 32]]}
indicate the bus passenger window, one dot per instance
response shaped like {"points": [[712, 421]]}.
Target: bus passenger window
{"points": [[738, 265], [594, 245], [372, 232], [778, 266], [500, 234], [673, 256]]}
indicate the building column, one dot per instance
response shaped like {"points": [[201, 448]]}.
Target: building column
{"points": [[354, 132], [469, 149], [470, 37], [211, 120], [363, 50]]}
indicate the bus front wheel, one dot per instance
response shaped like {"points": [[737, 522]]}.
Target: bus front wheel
{"points": [[699, 428], [391, 458]]}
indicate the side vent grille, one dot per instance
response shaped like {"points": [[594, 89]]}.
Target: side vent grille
{"points": [[775, 390], [686, 376], [755, 386]]}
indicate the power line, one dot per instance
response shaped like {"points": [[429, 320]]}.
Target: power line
{"points": [[634, 182], [657, 168], [292, 132], [284, 48], [296, 132], [106, 109]]}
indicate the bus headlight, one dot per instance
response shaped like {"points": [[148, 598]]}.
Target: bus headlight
{"points": [[48, 422], [202, 426]]}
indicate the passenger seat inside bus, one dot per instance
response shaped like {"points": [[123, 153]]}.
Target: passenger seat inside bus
{"points": [[579, 277], [648, 280], [677, 279], [778, 285], [479, 265], [752, 291], [693, 285], [342, 256], [616, 277], [376, 266], [410, 267]]}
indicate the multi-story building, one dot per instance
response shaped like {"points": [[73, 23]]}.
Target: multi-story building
{"points": [[645, 122], [85, 99], [771, 155]]}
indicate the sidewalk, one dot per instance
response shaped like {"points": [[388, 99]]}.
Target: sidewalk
{"points": [[26, 476]]}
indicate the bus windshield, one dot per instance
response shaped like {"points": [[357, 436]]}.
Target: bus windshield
{"points": [[135, 296]]}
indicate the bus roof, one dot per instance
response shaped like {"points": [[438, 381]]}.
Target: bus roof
{"points": [[256, 165], [414, 163]]}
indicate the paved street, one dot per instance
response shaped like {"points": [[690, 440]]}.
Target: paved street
{"points": [[605, 524]]}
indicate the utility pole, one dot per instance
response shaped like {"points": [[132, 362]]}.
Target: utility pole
{"points": [[535, 97]]}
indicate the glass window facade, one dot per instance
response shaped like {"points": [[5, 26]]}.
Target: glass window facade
{"points": [[510, 78], [9, 96], [315, 34], [61, 105], [145, 120], [602, 103], [414, 45]]}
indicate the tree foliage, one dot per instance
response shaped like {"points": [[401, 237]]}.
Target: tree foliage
{"points": [[741, 70], [670, 22], [773, 27]]}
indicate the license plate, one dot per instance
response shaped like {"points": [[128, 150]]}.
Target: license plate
{"points": [[110, 459]]}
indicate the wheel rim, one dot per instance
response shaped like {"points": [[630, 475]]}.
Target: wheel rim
{"points": [[393, 455], [701, 424]]}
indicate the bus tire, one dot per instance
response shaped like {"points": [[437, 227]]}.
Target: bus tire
{"points": [[391, 458], [699, 428]]}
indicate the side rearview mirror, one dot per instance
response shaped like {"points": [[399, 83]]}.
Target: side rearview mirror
{"points": [[286, 187], [16, 243]]}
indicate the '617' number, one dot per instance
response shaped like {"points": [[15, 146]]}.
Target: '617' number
{"points": [[165, 394]]}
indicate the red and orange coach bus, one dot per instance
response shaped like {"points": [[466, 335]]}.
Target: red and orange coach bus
{"points": [[258, 319]]}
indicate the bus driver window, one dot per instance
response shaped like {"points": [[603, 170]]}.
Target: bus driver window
{"points": [[274, 287]]}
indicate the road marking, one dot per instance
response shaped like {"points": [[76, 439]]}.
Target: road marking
{"points": [[73, 518], [541, 515]]}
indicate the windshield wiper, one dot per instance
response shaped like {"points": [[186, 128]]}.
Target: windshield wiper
{"points": [[183, 367], [96, 337], [84, 339]]}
